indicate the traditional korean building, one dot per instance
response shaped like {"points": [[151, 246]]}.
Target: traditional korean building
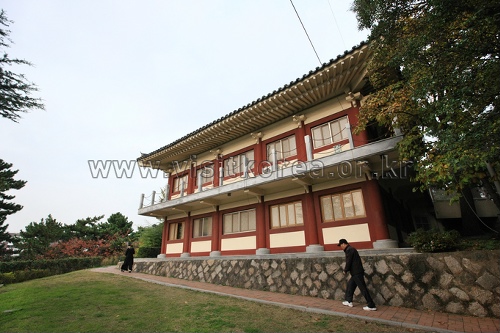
{"points": [[286, 173]]}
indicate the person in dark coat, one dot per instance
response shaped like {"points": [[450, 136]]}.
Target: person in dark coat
{"points": [[354, 265], [129, 259]]}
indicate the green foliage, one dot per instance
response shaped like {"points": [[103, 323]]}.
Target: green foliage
{"points": [[7, 182], [445, 98], [150, 236], [36, 239], [15, 90], [86, 228], [117, 223], [148, 252], [434, 240], [149, 241], [111, 260], [87, 237], [21, 276], [24, 270]]}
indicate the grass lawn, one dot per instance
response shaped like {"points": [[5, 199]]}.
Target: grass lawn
{"points": [[86, 301]]}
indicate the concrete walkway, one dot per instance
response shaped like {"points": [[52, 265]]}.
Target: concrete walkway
{"points": [[389, 315]]}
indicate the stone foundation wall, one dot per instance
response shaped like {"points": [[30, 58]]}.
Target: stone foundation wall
{"points": [[456, 282]]}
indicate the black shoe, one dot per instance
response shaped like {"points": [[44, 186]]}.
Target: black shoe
{"points": [[130, 271]]}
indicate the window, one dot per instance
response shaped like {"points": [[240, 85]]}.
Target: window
{"points": [[330, 133], [176, 231], [343, 206], [241, 221], [202, 227], [284, 148], [178, 183], [207, 174], [287, 215], [234, 165]]}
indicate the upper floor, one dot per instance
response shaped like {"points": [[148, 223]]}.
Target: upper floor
{"points": [[298, 136]]}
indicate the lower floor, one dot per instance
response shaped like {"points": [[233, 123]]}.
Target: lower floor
{"points": [[366, 213]]}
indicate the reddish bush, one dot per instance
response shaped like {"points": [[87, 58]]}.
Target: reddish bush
{"points": [[76, 247]]}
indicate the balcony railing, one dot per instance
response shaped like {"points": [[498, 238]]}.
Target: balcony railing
{"points": [[353, 154]]}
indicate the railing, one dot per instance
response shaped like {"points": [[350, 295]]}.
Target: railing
{"points": [[153, 199]]}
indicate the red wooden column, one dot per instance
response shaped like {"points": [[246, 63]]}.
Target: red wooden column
{"points": [[191, 179], [257, 153], [310, 224], [164, 237], [216, 165], [216, 227], [262, 246], [187, 237], [300, 138], [377, 225]]}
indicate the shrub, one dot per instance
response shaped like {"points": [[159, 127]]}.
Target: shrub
{"points": [[434, 240], [6, 278], [109, 261], [23, 270], [148, 252]]}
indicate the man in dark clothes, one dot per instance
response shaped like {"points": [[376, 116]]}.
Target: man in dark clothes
{"points": [[354, 265], [129, 259]]}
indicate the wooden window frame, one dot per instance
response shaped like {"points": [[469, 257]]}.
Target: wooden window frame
{"points": [[281, 154], [198, 229], [340, 215], [175, 226], [229, 172], [205, 180], [239, 213], [343, 133], [284, 209], [176, 183]]}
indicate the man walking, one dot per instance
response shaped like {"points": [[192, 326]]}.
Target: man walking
{"points": [[354, 265]]}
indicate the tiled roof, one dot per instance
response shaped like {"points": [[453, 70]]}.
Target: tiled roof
{"points": [[274, 92]]}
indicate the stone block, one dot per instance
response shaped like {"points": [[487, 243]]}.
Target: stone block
{"points": [[427, 278], [443, 294], [386, 292], [482, 296], [381, 267], [429, 302], [455, 307], [445, 280], [396, 301], [408, 278], [460, 294], [453, 265], [396, 268], [487, 281], [435, 263], [470, 265], [477, 310], [401, 289]]}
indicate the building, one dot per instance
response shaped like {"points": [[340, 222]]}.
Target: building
{"points": [[286, 173]]}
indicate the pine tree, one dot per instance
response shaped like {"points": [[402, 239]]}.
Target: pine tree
{"points": [[15, 90], [7, 207]]}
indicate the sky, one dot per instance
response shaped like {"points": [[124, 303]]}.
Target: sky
{"points": [[119, 78]]}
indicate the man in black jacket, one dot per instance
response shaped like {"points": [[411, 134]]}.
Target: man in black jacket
{"points": [[354, 265]]}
